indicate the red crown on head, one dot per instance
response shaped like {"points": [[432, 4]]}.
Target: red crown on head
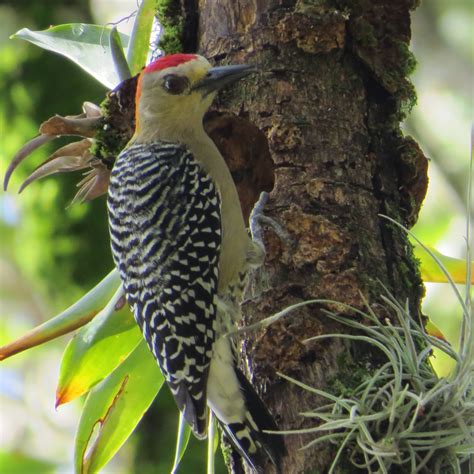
{"points": [[171, 60]]}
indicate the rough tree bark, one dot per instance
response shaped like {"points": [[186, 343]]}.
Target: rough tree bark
{"points": [[319, 127]]}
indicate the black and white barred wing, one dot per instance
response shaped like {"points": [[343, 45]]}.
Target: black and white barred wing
{"points": [[165, 226]]}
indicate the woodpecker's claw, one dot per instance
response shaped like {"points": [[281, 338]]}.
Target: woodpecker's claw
{"points": [[257, 218]]}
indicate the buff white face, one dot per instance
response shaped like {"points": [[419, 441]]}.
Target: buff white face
{"points": [[175, 91]]}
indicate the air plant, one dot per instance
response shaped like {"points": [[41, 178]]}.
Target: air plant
{"points": [[104, 131]]}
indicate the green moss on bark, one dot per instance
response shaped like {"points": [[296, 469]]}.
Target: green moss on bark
{"points": [[171, 20], [379, 37], [118, 121], [350, 375], [108, 141]]}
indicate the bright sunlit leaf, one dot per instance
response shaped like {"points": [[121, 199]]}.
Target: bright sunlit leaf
{"points": [[442, 363], [140, 38], [72, 318], [96, 350], [86, 45], [113, 409], [118, 56], [431, 272]]}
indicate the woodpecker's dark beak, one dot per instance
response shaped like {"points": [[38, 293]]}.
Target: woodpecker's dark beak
{"points": [[218, 77]]}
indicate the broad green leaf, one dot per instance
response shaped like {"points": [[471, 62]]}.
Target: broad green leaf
{"points": [[96, 350], [113, 409], [431, 271], [86, 45], [140, 38], [72, 318], [118, 57], [184, 432]]}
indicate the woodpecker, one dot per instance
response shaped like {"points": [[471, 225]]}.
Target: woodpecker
{"points": [[180, 243]]}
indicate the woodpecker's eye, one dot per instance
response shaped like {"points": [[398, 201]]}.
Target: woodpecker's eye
{"points": [[175, 84]]}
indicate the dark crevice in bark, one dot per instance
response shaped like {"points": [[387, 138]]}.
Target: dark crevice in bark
{"points": [[190, 9]]}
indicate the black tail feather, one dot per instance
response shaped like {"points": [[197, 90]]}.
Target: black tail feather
{"points": [[271, 447]]}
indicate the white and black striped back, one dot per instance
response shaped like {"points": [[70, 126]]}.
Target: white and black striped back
{"points": [[165, 227]]}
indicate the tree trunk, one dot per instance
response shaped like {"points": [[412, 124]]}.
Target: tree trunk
{"points": [[319, 126]]}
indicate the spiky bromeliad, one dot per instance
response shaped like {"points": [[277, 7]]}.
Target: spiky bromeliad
{"points": [[180, 244]]}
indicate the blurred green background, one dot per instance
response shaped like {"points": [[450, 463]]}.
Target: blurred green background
{"points": [[51, 253]]}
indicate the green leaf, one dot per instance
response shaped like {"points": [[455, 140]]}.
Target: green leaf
{"points": [[118, 57], [433, 330], [18, 463], [432, 272], [96, 350], [140, 38], [212, 443], [113, 409], [72, 318], [184, 432], [86, 45]]}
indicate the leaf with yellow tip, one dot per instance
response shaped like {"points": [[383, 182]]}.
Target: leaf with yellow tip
{"points": [[97, 349], [434, 330], [139, 44], [431, 272]]}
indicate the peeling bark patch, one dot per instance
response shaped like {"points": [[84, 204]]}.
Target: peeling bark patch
{"points": [[284, 90], [284, 346], [344, 283], [273, 248], [320, 241], [331, 193], [312, 34], [413, 175], [281, 347], [284, 136]]}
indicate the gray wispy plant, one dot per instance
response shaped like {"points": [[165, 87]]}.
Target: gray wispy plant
{"points": [[402, 416]]}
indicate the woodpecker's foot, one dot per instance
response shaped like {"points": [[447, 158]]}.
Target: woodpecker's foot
{"points": [[255, 218], [258, 219]]}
